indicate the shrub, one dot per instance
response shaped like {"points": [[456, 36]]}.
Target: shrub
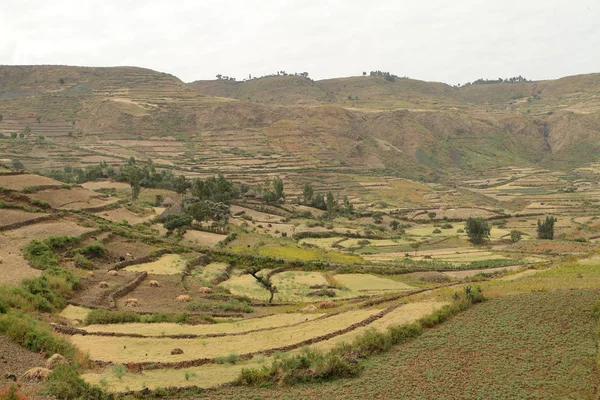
{"points": [[94, 250], [65, 383], [34, 335], [40, 203], [3, 308], [40, 255], [447, 226], [436, 230], [82, 262]]}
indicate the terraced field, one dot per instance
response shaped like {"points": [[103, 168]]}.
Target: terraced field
{"points": [[533, 345]]}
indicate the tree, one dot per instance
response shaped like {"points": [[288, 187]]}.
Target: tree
{"points": [[394, 224], [265, 282], [134, 174], [14, 135], [38, 119], [177, 221], [364, 73], [206, 209], [416, 245], [307, 192], [431, 215], [17, 164], [331, 203], [515, 236], [219, 76], [477, 230], [278, 188], [181, 184], [545, 230], [377, 217], [61, 81], [319, 202], [349, 207]]}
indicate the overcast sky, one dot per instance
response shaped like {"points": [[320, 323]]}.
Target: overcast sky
{"points": [[434, 40]]}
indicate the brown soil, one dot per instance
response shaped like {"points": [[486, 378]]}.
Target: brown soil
{"points": [[15, 360]]}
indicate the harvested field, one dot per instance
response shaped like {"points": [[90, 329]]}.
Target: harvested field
{"points": [[9, 217], [250, 324], [211, 271], [520, 275], [473, 272], [168, 264], [106, 185], [162, 299], [92, 295], [44, 229], [71, 199], [365, 283], [14, 268], [403, 315], [205, 376], [256, 215], [537, 345], [125, 349], [120, 214], [200, 238], [20, 182]]}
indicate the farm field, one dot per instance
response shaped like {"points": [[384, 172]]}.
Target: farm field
{"points": [[537, 345], [168, 264], [166, 237], [126, 349]]}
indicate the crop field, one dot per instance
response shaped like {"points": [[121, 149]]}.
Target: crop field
{"points": [[20, 182], [236, 327], [200, 238], [127, 349], [369, 283], [405, 314], [123, 214], [10, 217], [49, 228], [536, 345], [168, 264], [71, 199]]}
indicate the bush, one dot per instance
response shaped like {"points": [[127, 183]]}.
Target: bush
{"points": [[100, 316], [3, 308], [40, 203], [65, 383], [436, 230], [94, 250], [447, 226], [231, 305], [40, 255], [82, 262], [33, 335]]}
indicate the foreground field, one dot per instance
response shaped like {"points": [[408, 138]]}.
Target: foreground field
{"points": [[536, 345]]}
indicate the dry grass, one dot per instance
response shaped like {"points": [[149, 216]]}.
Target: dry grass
{"points": [[168, 264], [125, 349], [273, 321], [473, 272]]}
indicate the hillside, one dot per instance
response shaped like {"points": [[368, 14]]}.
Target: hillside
{"points": [[288, 125]]}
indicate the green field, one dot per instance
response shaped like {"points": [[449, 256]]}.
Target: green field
{"points": [[536, 345]]}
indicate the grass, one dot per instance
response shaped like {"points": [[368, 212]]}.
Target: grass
{"points": [[124, 349], [101, 316]]}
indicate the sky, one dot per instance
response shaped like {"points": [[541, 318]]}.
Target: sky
{"points": [[433, 40]]}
